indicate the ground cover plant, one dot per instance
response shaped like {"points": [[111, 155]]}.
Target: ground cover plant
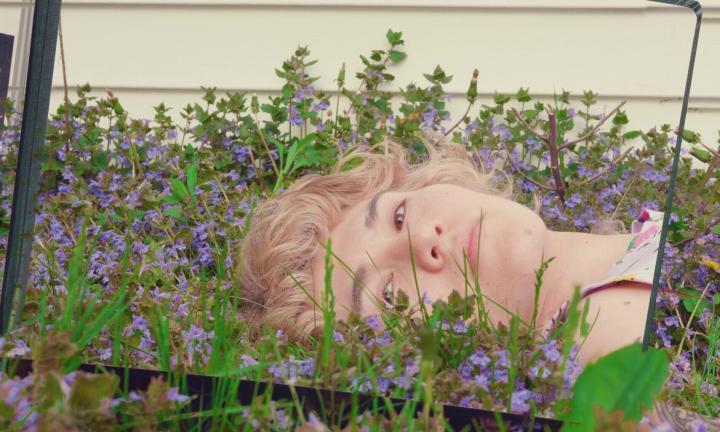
{"points": [[139, 221]]}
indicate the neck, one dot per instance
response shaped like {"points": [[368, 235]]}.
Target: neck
{"points": [[580, 259]]}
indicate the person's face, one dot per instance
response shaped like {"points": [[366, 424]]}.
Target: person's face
{"points": [[443, 222]]}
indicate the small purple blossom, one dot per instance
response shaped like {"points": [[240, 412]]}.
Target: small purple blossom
{"points": [[173, 395], [373, 321], [519, 401]]}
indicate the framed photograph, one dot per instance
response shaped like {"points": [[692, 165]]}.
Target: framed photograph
{"points": [[392, 240]]}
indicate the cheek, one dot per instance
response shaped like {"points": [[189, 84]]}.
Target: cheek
{"points": [[518, 247]]}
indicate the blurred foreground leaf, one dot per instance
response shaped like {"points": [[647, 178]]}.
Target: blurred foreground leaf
{"points": [[625, 380]]}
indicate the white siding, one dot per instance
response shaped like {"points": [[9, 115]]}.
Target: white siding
{"points": [[152, 51]]}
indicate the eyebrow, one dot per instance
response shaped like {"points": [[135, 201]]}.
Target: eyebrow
{"points": [[371, 213], [359, 278]]}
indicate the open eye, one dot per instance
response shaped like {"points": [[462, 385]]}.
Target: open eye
{"points": [[399, 214]]}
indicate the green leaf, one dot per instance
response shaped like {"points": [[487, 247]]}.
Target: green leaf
{"points": [[701, 155], [632, 134], [501, 99], [394, 38], [690, 136], [716, 229], [170, 199], [620, 118], [100, 161], [175, 211], [523, 95], [689, 304], [191, 175], [627, 379], [178, 189], [287, 91], [397, 56]]}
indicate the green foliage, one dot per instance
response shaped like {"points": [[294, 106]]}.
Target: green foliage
{"points": [[194, 186], [626, 380]]}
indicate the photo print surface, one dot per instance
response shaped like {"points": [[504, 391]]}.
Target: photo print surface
{"points": [[457, 218]]}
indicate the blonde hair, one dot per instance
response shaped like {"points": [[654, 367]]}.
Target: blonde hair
{"points": [[284, 236]]}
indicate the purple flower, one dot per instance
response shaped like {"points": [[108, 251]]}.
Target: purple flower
{"points": [[533, 144], [321, 106], [479, 358], [503, 131], [535, 372], [465, 370], [140, 248], [551, 351], [364, 386], [574, 200], [139, 324], [171, 134], [183, 310], [384, 339], [295, 118], [654, 176], [709, 389], [241, 153], [519, 400], [105, 354], [460, 327], [173, 395], [384, 384], [672, 321], [579, 221], [304, 93], [307, 366], [502, 360], [662, 334], [373, 321], [404, 382], [584, 171], [483, 380], [500, 375], [411, 368], [466, 401]]}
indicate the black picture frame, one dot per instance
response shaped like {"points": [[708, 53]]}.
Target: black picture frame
{"points": [[6, 50]]}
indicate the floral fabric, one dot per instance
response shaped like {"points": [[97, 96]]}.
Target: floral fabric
{"points": [[638, 263]]}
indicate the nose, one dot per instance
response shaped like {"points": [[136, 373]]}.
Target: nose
{"points": [[428, 249]]}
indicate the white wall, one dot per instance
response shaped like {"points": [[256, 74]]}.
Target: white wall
{"points": [[152, 51]]}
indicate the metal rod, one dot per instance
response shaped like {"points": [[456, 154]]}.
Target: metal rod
{"points": [[32, 137], [649, 321], [6, 50]]}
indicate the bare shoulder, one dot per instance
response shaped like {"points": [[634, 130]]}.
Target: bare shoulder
{"points": [[619, 315]]}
